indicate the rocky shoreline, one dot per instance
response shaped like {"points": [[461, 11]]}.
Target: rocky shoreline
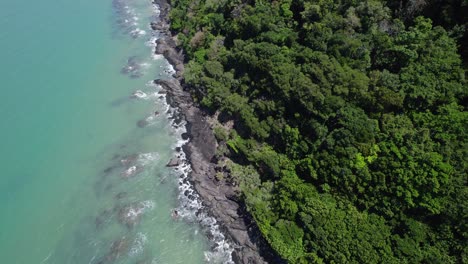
{"points": [[220, 199]]}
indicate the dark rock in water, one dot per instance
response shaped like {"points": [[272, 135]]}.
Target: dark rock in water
{"points": [[174, 162], [178, 149], [102, 218], [118, 102], [214, 246], [178, 120], [118, 248], [161, 26], [156, 113], [167, 47], [108, 187], [121, 195], [109, 169], [132, 68], [185, 136], [142, 123], [209, 235], [136, 75]]}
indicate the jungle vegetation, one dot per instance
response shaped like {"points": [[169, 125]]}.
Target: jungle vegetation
{"points": [[350, 125]]}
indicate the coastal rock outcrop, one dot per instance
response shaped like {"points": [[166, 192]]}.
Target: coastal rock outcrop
{"points": [[174, 162], [219, 197], [166, 44], [200, 150]]}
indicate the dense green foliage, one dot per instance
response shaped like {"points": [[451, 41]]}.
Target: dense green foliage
{"points": [[350, 124]]}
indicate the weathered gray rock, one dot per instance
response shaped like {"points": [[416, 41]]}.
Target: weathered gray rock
{"points": [[166, 45], [160, 26], [174, 162]]}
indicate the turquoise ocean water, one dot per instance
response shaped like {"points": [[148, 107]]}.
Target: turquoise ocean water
{"points": [[83, 176]]}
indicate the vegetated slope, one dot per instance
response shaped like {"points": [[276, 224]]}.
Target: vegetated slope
{"points": [[350, 126]]}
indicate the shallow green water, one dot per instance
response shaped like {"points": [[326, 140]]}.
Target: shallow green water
{"points": [[69, 133]]}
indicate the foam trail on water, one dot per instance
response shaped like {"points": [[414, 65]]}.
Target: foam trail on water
{"points": [[47, 258], [192, 210], [190, 206], [138, 244]]}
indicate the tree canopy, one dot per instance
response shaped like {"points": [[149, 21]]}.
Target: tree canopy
{"points": [[350, 123]]}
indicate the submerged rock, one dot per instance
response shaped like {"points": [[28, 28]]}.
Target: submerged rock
{"points": [[132, 171], [133, 67], [130, 215], [108, 169], [142, 123], [174, 162], [121, 195], [102, 218], [118, 248], [129, 159]]}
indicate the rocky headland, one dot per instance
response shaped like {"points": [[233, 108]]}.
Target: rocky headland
{"points": [[220, 198]]}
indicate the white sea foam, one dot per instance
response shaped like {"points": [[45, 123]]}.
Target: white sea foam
{"points": [[152, 84], [156, 10], [147, 205], [170, 69], [137, 32], [145, 65], [138, 244], [140, 94], [155, 56], [130, 170], [192, 210], [151, 42], [148, 158], [190, 206], [134, 212]]}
